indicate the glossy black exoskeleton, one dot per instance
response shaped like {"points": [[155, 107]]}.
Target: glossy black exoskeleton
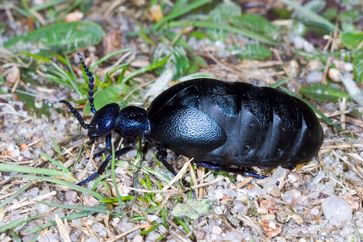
{"points": [[222, 125]]}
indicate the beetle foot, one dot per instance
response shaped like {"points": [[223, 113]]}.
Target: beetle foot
{"points": [[252, 173], [247, 172], [88, 179]]}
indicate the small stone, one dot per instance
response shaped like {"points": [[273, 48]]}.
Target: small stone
{"points": [[315, 65], [337, 210], [314, 211], [152, 236], [233, 236], [314, 77], [71, 196], [217, 230], [138, 238], [219, 194], [291, 196], [99, 229], [74, 16], [219, 210], [334, 75], [348, 67], [42, 208], [152, 217]]}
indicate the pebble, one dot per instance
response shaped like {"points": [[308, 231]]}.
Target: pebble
{"points": [[233, 236], [152, 236], [315, 211], [219, 210], [315, 65], [217, 230], [337, 210], [138, 238], [99, 229], [71, 196], [219, 194], [314, 77], [301, 43], [334, 75], [152, 217], [291, 196]]}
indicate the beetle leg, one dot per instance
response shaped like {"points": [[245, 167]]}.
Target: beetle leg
{"points": [[243, 170], [104, 164], [161, 155], [106, 149]]}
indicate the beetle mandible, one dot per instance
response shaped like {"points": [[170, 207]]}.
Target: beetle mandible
{"points": [[222, 125]]}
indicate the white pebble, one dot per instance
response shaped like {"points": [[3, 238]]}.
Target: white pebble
{"points": [[99, 229], [138, 238], [233, 236], [152, 217], [218, 194], [217, 230], [334, 74], [219, 210], [315, 65], [71, 196], [337, 210], [314, 76], [314, 211], [348, 67]]}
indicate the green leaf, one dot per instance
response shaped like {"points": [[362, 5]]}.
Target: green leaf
{"points": [[224, 12], [253, 51], [358, 65], [323, 93], [309, 16], [180, 8], [257, 24], [180, 61], [105, 96], [192, 209], [352, 40], [225, 27], [59, 37]]}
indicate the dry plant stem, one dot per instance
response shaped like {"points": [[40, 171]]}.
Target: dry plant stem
{"points": [[194, 179], [137, 227], [343, 107], [85, 170], [31, 201], [63, 229]]}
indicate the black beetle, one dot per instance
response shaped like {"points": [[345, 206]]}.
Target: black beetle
{"points": [[222, 125]]}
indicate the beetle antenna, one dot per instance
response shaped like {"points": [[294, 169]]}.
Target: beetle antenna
{"points": [[76, 114], [91, 82]]}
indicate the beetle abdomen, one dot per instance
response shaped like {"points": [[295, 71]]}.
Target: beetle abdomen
{"points": [[262, 126]]}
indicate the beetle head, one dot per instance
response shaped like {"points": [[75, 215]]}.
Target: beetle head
{"points": [[132, 121], [104, 121]]}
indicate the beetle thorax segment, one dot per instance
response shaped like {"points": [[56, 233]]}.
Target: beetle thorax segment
{"points": [[132, 121], [104, 121]]}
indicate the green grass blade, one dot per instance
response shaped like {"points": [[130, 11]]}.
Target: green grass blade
{"points": [[108, 56], [310, 15], [146, 69], [206, 24], [33, 170], [69, 185], [55, 162], [71, 216], [16, 223], [18, 192], [97, 209], [175, 13]]}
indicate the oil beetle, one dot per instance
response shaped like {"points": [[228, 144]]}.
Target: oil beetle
{"points": [[224, 126]]}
